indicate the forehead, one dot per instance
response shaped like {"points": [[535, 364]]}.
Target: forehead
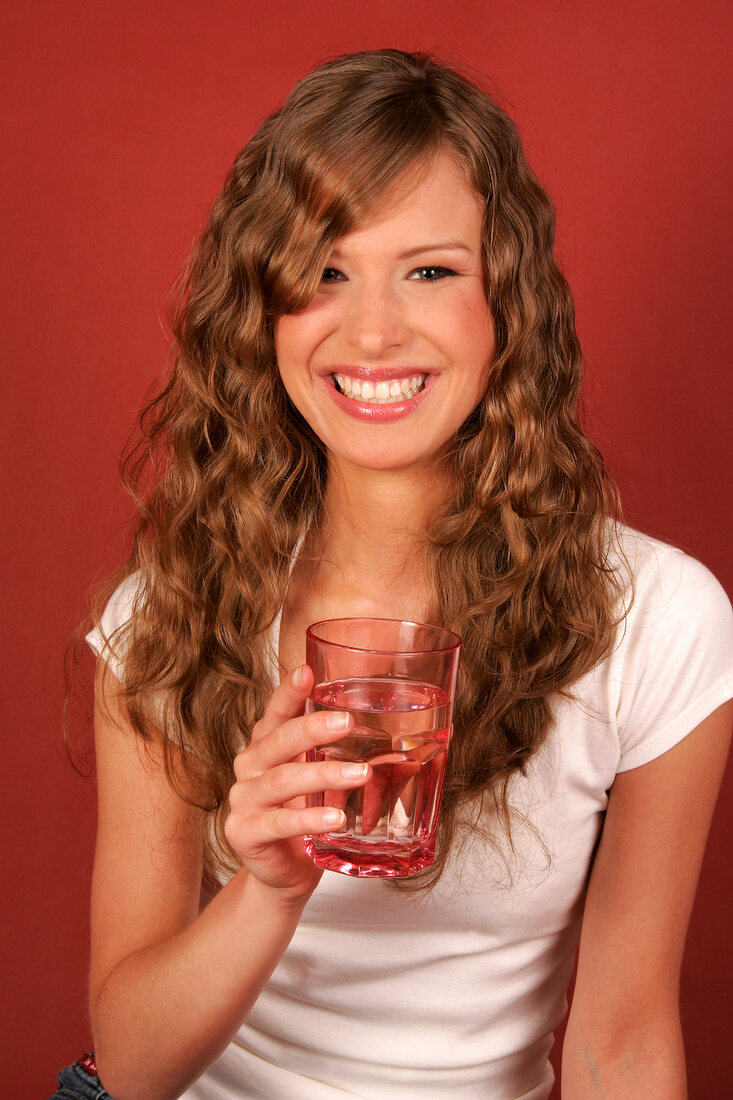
{"points": [[431, 203]]}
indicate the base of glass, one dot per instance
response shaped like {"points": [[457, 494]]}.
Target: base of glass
{"points": [[363, 858]]}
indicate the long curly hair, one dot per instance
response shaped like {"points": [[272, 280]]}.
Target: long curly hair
{"points": [[227, 476]]}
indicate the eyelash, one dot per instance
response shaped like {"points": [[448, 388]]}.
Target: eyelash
{"points": [[444, 271], [436, 268]]}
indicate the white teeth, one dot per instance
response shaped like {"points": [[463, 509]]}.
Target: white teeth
{"points": [[385, 392]]}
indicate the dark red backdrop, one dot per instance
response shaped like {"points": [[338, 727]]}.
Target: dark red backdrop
{"points": [[120, 122]]}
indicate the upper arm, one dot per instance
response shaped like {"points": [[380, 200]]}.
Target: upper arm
{"points": [[148, 856], [644, 878]]}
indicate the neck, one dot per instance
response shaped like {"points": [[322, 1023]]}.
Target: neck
{"points": [[371, 535]]}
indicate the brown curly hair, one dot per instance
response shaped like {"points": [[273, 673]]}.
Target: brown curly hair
{"points": [[226, 475]]}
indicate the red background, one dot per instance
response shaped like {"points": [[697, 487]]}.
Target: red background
{"points": [[120, 123]]}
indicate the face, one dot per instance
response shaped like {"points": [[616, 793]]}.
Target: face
{"points": [[392, 353]]}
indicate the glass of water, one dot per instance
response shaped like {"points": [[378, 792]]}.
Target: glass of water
{"points": [[398, 680]]}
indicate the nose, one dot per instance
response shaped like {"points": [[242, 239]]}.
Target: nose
{"points": [[374, 320]]}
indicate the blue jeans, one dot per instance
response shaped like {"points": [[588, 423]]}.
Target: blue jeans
{"points": [[80, 1082]]}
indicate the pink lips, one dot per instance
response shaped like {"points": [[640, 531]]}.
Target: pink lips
{"points": [[378, 414]]}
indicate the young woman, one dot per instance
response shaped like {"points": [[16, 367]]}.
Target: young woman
{"points": [[372, 411]]}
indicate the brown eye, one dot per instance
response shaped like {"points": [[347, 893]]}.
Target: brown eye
{"points": [[431, 274]]}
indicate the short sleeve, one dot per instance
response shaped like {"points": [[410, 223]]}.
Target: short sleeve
{"points": [[676, 653], [106, 640]]}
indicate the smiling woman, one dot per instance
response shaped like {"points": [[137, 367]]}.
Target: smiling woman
{"points": [[379, 327], [372, 412]]}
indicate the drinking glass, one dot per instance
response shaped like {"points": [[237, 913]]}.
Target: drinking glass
{"points": [[398, 681]]}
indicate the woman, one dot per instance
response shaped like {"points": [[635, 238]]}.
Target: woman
{"points": [[372, 411]]}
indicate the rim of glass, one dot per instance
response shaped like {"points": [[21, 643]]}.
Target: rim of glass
{"points": [[311, 633]]}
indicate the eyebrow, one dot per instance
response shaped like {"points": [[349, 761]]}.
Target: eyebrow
{"points": [[443, 246]]}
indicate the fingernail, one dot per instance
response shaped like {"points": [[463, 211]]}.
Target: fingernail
{"points": [[333, 817], [337, 721], [354, 771], [297, 677]]}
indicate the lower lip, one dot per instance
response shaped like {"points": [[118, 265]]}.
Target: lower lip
{"points": [[378, 414]]}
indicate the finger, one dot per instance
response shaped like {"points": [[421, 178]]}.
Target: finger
{"points": [[290, 781], [250, 835], [377, 798], [290, 739], [287, 701]]}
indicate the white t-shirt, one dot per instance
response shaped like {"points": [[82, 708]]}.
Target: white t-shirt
{"points": [[457, 994]]}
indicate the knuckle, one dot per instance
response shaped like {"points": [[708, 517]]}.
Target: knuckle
{"points": [[282, 738], [235, 796], [279, 780], [286, 824], [231, 830], [241, 761], [247, 765], [240, 829], [315, 724]]}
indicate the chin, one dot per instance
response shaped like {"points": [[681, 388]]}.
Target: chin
{"points": [[385, 460]]}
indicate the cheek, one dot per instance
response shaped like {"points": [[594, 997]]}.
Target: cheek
{"points": [[480, 327], [472, 337], [286, 339], [297, 339], [479, 347]]}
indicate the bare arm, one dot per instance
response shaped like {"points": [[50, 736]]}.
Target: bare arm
{"points": [[169, 987], [623, 1040]]}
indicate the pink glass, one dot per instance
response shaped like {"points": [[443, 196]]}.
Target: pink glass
{"points": [[398, 681]]}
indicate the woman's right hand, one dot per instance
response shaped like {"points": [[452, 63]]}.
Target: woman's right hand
{"points": [[267, 813], [151, 941]]}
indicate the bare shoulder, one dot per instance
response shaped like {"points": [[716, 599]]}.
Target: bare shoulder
{"points": [[148, 857]]}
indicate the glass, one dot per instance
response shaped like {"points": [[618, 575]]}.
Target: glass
{"points": [[398, 680]]}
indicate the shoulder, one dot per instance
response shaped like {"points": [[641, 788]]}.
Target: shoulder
{"points": [[108, 637], [665, 588], [673, 660], [664, 573]]}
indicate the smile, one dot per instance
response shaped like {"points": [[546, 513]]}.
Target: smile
{"points": [[388, 391]]}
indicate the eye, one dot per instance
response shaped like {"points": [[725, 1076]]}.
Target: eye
{"points": [[431, 274], [331, 275]]}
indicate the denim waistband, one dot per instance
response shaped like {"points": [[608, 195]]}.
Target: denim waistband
{"points": [[80, 1082]]}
